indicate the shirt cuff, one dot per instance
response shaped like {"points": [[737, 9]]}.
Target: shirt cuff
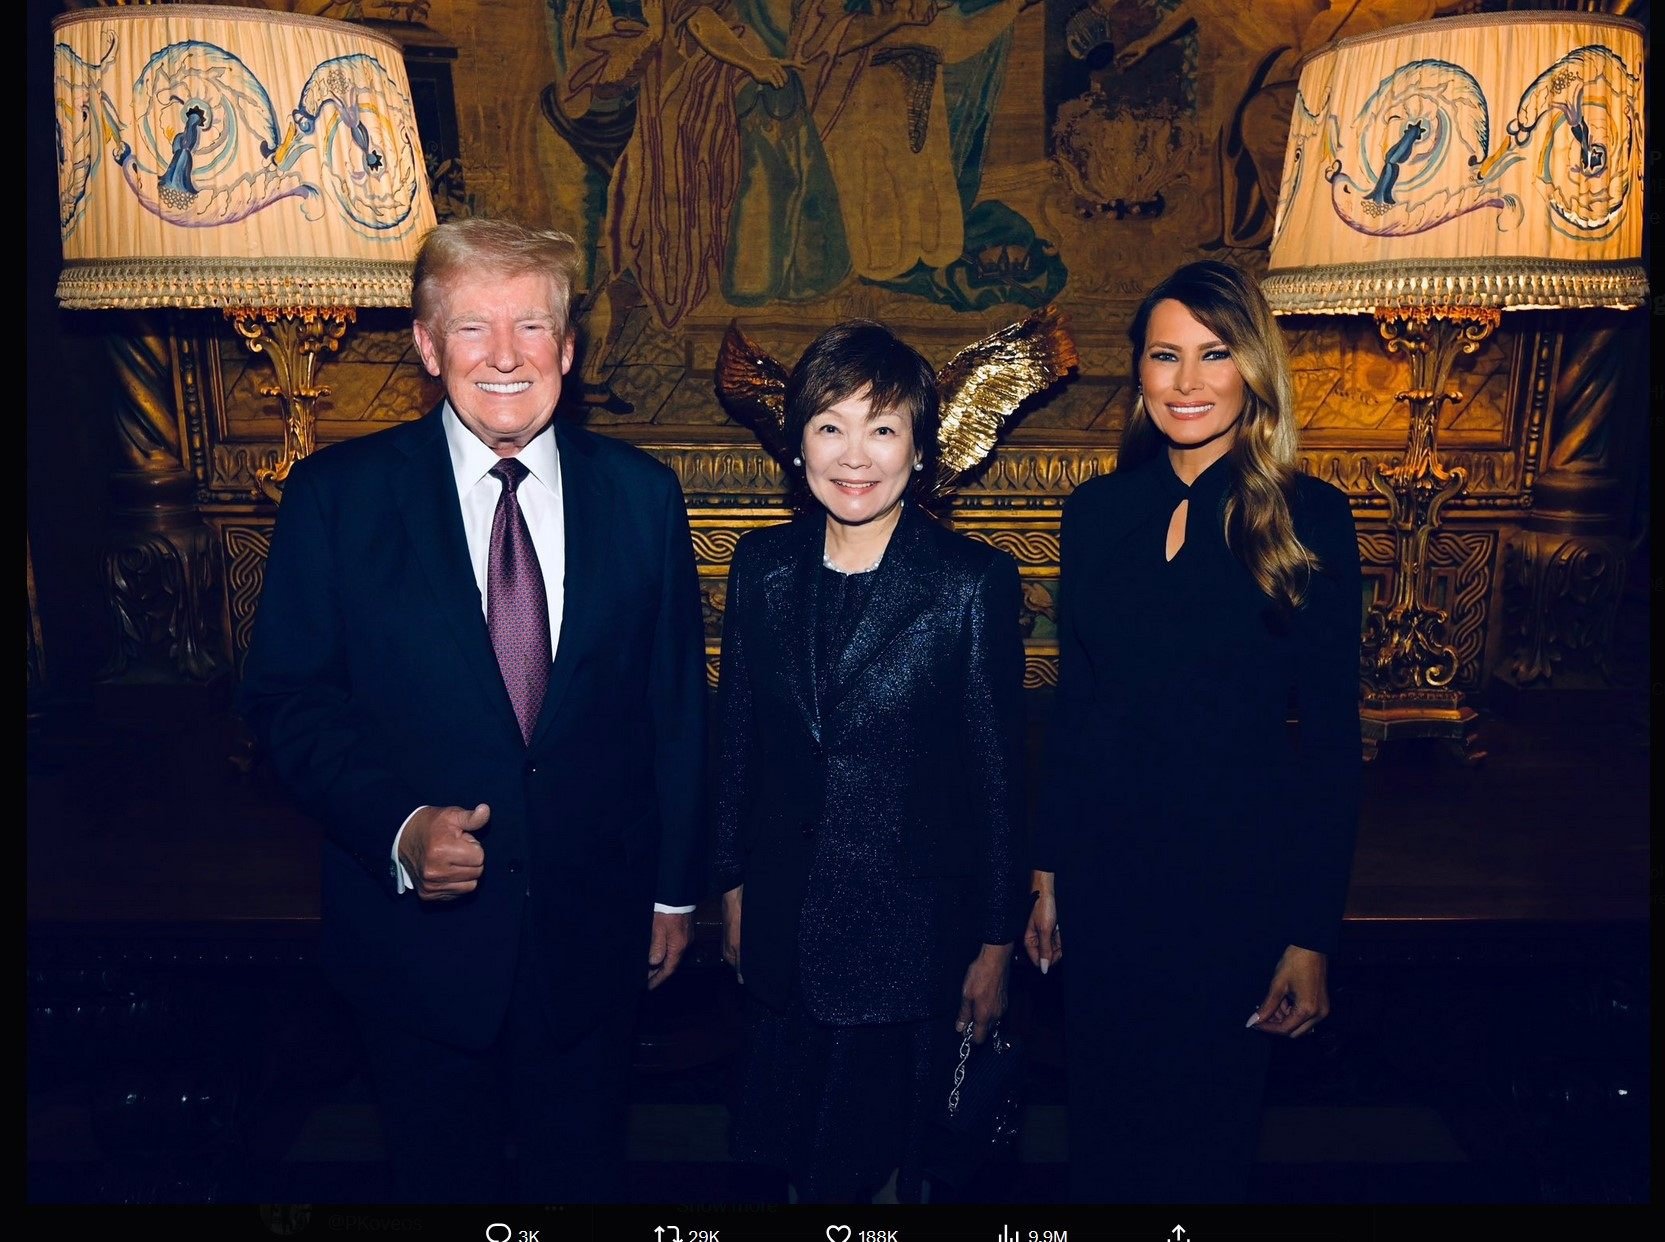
{"points": [[402, 883], [660, 907]]}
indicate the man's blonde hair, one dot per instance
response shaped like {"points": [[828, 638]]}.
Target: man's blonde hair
{"points": [[481, 245]]}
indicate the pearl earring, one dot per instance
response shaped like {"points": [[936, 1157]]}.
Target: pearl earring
{"points": [[797, 461], [919, 465]]}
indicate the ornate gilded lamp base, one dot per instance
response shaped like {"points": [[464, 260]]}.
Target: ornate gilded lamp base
{"points": [[1407, 667], [1450, 720], [292, 337]]}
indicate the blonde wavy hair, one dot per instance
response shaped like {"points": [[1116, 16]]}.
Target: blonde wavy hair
{"points": [[481, 245], [1259, 528]]}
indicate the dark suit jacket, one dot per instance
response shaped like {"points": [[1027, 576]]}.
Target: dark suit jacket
{"points": [[372, 683], [875, 828]]}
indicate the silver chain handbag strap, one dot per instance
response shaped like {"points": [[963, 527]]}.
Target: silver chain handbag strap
{"points": [[965, 1055]]}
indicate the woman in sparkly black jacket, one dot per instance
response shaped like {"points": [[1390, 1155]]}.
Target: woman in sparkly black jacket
{"points": [[870, 783]]}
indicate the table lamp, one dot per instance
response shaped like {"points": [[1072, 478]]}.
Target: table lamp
{"points": [[1437, 175]]}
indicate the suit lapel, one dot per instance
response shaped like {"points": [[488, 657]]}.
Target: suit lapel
{"points": [[585, 497], [427, 494], [907, 582], [791, 591]]}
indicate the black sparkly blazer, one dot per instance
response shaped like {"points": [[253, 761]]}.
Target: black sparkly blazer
{"points": [[875, 825]]}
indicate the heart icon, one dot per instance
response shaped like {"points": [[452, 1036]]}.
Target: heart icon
{"points": [[838, 1233]]}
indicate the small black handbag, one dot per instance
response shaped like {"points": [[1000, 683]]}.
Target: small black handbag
{"points": [[978, 1119]]}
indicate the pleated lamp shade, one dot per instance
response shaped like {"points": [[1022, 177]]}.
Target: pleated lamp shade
{"points": [[211, 156], [1493, 160]]}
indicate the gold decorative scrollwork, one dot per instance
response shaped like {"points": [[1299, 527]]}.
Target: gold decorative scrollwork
{"points": [[1040, 670], [1033, 547], [292, 337], [245, 546], [160, 585], [1406, 653], [1459, 576], [715, 547], [1561, 603], [1460, 563]]}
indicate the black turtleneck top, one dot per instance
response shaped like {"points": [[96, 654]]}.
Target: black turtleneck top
{"points": [[1182, 808]]}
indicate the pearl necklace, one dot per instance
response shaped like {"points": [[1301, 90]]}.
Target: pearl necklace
{"points": [[827, 561]]}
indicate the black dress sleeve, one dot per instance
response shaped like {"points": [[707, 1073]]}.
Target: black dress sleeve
{"points": [[1324, 824]]}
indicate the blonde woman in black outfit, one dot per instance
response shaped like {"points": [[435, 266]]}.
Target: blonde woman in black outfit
{"points": [[1196, 847]]}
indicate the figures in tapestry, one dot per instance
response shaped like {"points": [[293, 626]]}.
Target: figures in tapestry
{"points": [[769, 151], [1241, 79]]}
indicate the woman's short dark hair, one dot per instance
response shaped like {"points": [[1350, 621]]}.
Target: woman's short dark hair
{"points": [[860, 356]]}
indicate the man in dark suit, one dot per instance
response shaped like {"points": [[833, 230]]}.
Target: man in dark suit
{"points": [[478, 662]]}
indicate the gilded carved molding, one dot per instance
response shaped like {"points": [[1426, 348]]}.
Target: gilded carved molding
{"points": [[234, 468], [1040, 670], [1027, 476], [1030, 548], [192, 408], [1018, 470], [1564, 572], [1460, 574], [1494, 478], [1538, 392], [1561, 601], [161, 585], [1039, 478], [1460, 568], [1465, 559], [714, 548], [244, 544]]}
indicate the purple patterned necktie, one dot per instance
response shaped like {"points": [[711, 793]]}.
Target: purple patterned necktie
{"points": [[517, 610]]}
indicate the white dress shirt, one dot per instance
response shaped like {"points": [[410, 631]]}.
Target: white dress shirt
{"points": [[539, 495]]}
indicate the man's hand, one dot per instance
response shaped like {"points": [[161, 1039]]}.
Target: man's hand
{"points": [[983, 994], [440, 853], [670, 938], [1298, 998]]}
